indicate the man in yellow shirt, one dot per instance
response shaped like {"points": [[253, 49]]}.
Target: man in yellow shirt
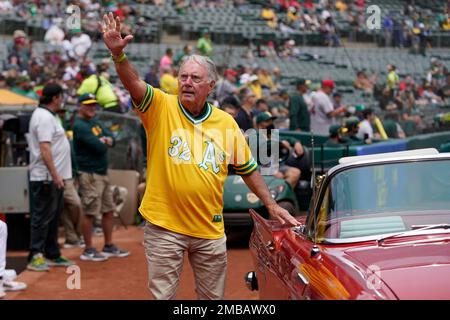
{"points": [[190, 145], [168, 83]]}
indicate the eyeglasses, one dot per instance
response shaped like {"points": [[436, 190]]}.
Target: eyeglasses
{"points": [[194, 78]]}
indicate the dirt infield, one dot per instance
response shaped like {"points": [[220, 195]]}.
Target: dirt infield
{"points": [[124, 278]]}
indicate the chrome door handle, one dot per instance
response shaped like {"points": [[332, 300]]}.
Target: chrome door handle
{"points": [[302, 278]]}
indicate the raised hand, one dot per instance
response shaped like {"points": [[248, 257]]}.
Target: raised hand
{"points": [[111, 34]]}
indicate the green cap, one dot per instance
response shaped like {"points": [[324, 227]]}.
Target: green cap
{"points": [[334, 129], [360, 107], [264, 116], [351, 122]]}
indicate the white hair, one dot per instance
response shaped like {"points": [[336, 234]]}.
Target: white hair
{"points": [[203, 61]]}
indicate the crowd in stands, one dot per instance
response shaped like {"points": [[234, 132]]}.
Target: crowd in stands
{"points": [[244, 91]]}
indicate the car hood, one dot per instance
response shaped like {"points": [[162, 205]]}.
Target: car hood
{"points": [[238, 197], [411, 271]]}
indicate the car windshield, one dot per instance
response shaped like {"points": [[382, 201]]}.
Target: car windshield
{"points": [[382, 199]]}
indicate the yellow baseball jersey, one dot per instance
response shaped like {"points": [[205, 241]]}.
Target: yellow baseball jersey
{"points": [[187, 164]]}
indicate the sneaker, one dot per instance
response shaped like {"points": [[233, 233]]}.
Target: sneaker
{"points": [[74, 244], [38, 263], [112, 251], [14, 286], [59, 262], [91, 254]]}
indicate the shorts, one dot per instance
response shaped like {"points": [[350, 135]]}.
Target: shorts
{"points": [[96, 194]]}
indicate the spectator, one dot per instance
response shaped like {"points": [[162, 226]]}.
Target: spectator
{"points": [[254, 85], [23, 87], [231, 106], [50, 165], [20, 48], [279, 103], [166, 61], [337, 100], [168, 83], [365, 130], [363, 82], [322, 112], [204, 44], [298, 110], [54, 35], [336, 138], [260, 106], [392, 126], [36, 71], [388, 28], [266, 81], [393, 80], [227, 86], [352, 126], [431, 96], [264, 126], [81, 44], [244, 117], [152, 77], [6, 283], [185, 51], [91, 142], [269, 15]]}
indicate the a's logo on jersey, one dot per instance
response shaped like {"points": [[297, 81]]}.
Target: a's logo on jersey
{"points": [[217, 218], [97, 130], [209, 157]]}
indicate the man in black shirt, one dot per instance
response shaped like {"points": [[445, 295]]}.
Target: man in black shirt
{"points": [[244, 117]]}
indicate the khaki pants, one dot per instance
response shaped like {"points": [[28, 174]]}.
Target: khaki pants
{"points": [[72, 214], [96, 194], [165, 253]]}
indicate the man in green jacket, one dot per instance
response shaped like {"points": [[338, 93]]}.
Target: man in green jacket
{"points": [[91, 142], [298, 110]]}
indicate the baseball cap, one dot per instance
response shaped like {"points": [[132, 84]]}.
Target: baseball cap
{"points": [[87, 98], [360, 107], [351, 122], [253, 77], [328, 83], [230, 72], [51, 90], [334, 129], [19, 34], [302, 81], [264, 116]]}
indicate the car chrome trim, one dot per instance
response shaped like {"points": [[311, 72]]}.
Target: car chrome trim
{"points": [[303, 278], [381, 160], [376, 237], [389, 155]]}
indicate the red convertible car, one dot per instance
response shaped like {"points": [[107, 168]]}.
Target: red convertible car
{"points": [[378, 228]]}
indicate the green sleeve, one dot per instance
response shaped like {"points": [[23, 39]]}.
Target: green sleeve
{"points": [[304, 122], [293, 112]]}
